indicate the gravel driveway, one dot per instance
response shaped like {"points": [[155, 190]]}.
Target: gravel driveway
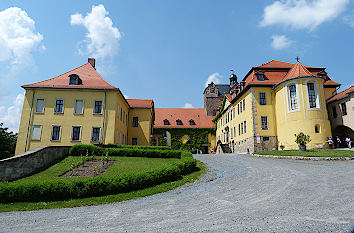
{"points": [[239, 194]]}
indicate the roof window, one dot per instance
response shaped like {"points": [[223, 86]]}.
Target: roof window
{"points": [[260, 75], [74, 79], [179, 122], [191, 122], [166, 122]]}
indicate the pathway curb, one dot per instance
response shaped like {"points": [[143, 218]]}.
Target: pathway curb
{"points": [[303, 158]]}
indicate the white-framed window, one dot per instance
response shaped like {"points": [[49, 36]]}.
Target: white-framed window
{"points": [[313, 96], [264, 122], [40, 105], [262, 98], [76, 133], [59, 106], [36, 132], [244, 104], [135, 141], [96, 134], [239, 129], [293, 97], [79, 107], [97, 107], [242, 128], [56, 132]]}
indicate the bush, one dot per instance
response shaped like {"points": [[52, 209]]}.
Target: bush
{"points": [[95, 186], [148, 153], [81, 150], [137, 147]]}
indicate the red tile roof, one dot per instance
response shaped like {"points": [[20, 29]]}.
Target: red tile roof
{"points": [[275, 72], [140, 103], [297, 71], [341, 95], [185, 115], [89, 76]]}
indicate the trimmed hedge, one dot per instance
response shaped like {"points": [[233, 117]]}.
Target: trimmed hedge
{"points": [[137, 147], [81, 150], [124, 152], [95, 186]]}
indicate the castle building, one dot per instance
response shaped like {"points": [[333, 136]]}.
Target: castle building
{"points": [[273, 102], [79, 106], [213, 97], [341, 114], [184, 128]]}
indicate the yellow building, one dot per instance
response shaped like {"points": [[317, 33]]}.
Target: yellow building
{"points": [[272, 103], [79, 106]]}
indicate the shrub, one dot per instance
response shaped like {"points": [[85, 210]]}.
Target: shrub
{"points": [[148, 153], [302, 139], [136, 147], [95, 186], [82, 150]]}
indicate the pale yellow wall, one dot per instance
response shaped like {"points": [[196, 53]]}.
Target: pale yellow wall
{"points": [[121, 130], [66, 120], [302, 120], [212, 141], [245, 115], [143, 131]]}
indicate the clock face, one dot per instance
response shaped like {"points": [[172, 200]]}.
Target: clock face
{"points": [[212, 90]]}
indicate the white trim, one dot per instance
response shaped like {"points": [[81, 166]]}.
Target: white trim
{"points": [[93, 110], [303, 101], [83, 106], [72, 133], [51, 135], [317, 93], [40, 135], [99, 133], [55, 106], [35, 107]]}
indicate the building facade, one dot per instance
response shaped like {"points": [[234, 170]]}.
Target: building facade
{"points": [[79, 106], [273, 102]]}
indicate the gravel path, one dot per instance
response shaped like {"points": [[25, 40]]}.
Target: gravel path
{"points": [[239, 194]]}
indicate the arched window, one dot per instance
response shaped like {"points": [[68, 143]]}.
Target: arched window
{"points": [[191, 122], [179, 122], [166, 122], [293, 103], [74, 79]]}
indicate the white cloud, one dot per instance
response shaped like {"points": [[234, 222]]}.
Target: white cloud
{"points": [[215, 78], [102, 39], [280, 42], [349, 19], [18, 37], [300, 14], [188, 105], [12, 115]]}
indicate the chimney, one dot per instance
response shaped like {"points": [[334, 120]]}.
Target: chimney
{"points": [[92, 61]]}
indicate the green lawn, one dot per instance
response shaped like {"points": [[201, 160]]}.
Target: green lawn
{"points": [[59, 168], [123, 165], [310, 153]]}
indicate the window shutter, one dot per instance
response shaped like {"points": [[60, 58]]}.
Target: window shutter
{"points": [[36, 132], [79, 106]]}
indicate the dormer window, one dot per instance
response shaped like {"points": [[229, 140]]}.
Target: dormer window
{"points": [[166, 122], [260, 76], [323, 74], [179, 122], [191, 122], [74, 79]]}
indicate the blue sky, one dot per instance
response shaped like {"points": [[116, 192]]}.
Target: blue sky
{"points": [[167, 50]]}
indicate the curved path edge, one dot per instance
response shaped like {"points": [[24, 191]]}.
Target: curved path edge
{"points": [[303, 158]]}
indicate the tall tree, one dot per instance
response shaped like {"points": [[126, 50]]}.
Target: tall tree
{"points": [[7, 142]]}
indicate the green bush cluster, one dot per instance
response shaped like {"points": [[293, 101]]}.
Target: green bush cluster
{"points": [[83, 150], [125, 152], [139, 147], [95, 186]]}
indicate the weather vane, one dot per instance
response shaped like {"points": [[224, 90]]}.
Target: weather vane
{"points": [[297, 58]]}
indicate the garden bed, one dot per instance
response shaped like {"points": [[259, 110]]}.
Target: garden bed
{"points": [[90, 168]]}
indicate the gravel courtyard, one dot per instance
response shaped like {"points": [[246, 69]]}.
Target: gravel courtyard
{"points": [[240, 193]]}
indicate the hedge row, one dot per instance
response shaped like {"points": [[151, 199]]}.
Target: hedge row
{"points": [[123, 152], [95, 186], [91, 150], [137, 147]]}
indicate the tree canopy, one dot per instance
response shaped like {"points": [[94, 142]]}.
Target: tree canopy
{"points": [[7, 142]]}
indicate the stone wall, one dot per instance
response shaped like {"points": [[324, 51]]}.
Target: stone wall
{"points": [[250, 145], [243, 146], [25, 164]]}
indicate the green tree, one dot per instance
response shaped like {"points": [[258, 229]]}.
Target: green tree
{"points": [[7, 142]]}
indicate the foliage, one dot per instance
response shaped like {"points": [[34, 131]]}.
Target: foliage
{"points": [[64, 189], [86, 150], [7, 142], [110, 145], [125, 152], [302, 139], [310, 153], [200, 136]]}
